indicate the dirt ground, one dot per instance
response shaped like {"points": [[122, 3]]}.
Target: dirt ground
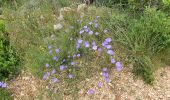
{"points": [[122, 87]]}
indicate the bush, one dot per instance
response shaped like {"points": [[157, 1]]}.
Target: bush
{"points": [[144, 39], [9, 60]]}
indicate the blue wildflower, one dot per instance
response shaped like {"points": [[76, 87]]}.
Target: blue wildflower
{"points": [[53, 71], [45, 77], [108, 40], [96, 25], [77, 45], [93, 43], [86, 44], [55, 80], [113, 61], [79, 41], [90, 91], [62, 67], [104, 69], [91, 32], [97, 33], [72, 63], [78, 55], [57, 50], [107, 79], [105, 74], [4, 85], [47, 65], [110, 52], [108, 46], [118, 66], [87, 30], [100, 84], [94, 47], [85, 27], [55, 58], [81, 31], [99, 49]]}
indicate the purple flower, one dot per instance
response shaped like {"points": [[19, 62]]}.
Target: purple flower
{"points": [[96, 25], [1, 84], [94, 47], [104, 69], [55, 58], [47, 65], [79, 41], [100, 84], [86, 44], [49, 47], [91, 32], [77, 45], [104, 44], [87, 30], [105, 74], [113, 61], [78, 55], [45, 77], [4, 85], [108, 46], [99, 49], [62, 67], [108, 40], [90, 91], [70, 76], [97, 33], [57, 50], [85, 27], [53, 71], [55, 80], [107, 79], [118, 66], [81, 31], [93, 43], [72, 63], [110, 52], [48, 74]]}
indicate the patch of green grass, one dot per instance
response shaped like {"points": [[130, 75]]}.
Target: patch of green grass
{"points": [[144, 39], [5, 95]]}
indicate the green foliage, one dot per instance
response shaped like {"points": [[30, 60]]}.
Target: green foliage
{"points": [[9, 61], [2, 26], [5, 95], [144, 38]]}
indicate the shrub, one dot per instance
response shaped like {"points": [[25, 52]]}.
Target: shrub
{"points": [[9, 60], [144, 39]]}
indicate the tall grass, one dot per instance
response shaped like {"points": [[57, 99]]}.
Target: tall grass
{"points": [[145, 38]]}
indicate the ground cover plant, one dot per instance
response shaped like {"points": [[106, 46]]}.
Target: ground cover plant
{"points": [[64, 53]]}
